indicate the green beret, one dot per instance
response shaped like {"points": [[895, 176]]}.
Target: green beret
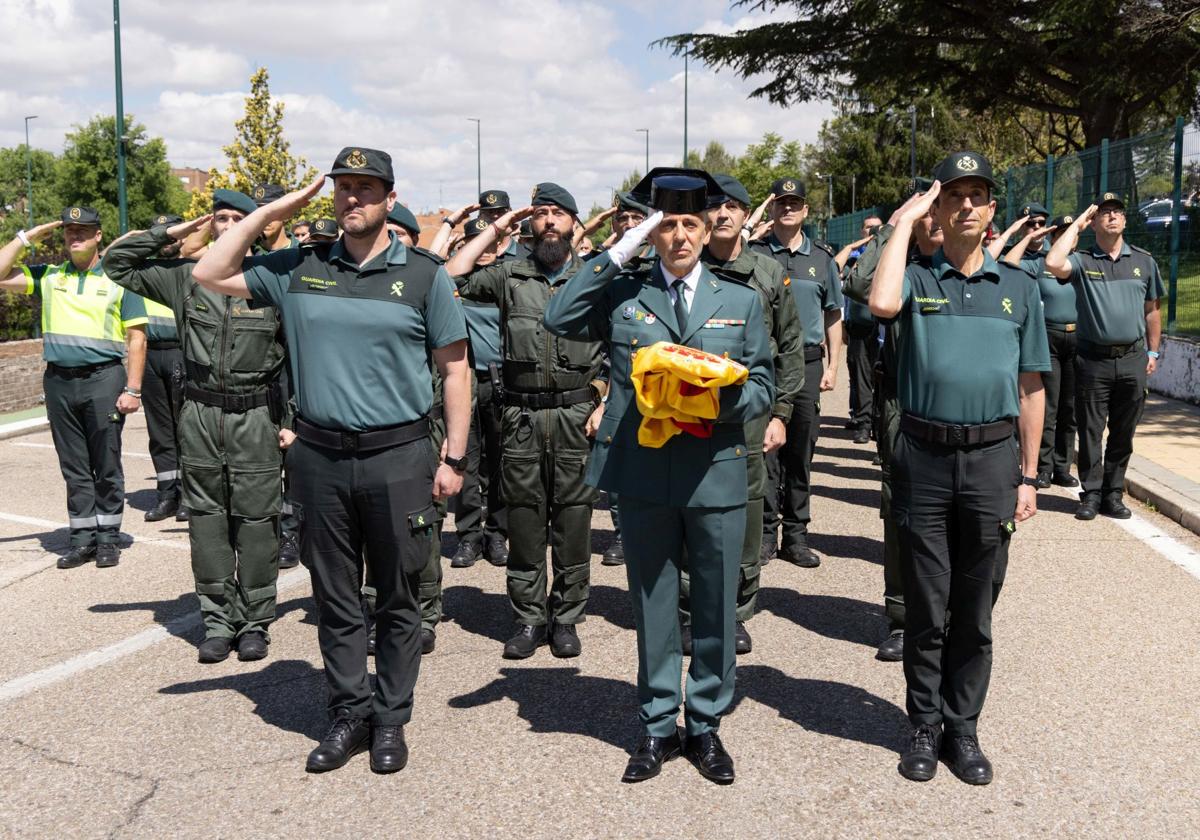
{"points": [[79, 215], [233, 200], [548, 193], [733, 189], [358, 160], [402, 216]]}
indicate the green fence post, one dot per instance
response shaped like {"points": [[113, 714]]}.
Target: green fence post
{"points": [[1050, 185], [1176, 206], [1103, 167]]}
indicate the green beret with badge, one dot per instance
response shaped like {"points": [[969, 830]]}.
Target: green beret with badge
{"points": [[79, 215], [550, 193], [402, 216], [964, 164], [233, 200], [494, 200], [266, 193], [474, 227], [323, 229], [359, 160]]}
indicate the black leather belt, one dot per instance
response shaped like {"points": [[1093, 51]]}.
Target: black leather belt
{"points": [[362, 441], [549, 399], [812, 352], [163, 345], [1060, 327], [1106, 351], [950, 434], [235, 403], [79, 372]]}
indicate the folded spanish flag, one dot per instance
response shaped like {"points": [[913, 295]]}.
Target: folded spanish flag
{"points": [[678, 390]]}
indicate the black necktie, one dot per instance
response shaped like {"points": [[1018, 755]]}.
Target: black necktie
{"points": [[681, 307]]}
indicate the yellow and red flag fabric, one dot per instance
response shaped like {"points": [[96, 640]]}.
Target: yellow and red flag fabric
{"points": [[677, 390]]}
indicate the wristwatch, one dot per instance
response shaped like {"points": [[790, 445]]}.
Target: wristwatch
{"points": [[1029, 482], [456, 464]]}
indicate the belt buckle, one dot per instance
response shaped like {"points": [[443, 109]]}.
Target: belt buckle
{"points": [[956, 435], [349, 441]]}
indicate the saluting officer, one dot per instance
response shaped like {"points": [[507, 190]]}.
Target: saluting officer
{"points": [[275, 236], [87, 321], [229, 426], [363, 317], [972, 348], [689, 496], [551, 385], [1117, 286], [728, 257], [816, 286]]}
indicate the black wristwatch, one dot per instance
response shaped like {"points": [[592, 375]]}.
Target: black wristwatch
{"points": [[456, 464], [1029, 482]]}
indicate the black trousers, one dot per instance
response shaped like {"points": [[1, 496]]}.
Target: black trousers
{"points": [[379, 504], [479, 511], [862, 351], [86, 428], [789, 469], [162, 398], [1058, 433], [1111, 391], [953, 508]]}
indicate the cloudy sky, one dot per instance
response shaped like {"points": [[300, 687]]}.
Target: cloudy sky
{"points": [[561, 86]]}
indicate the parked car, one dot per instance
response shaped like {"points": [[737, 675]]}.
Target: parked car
{"points": [[1157, 215]]}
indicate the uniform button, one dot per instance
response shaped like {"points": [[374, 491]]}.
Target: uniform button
{"points": [[633, 341], [968, 294], [737, 451], [608, 439]]}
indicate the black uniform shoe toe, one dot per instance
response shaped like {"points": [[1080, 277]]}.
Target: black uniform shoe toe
{"points": [[742, 643], [1043, 481], [1089, 506], [647, 759], [564, 641], [967, 761], [528, 639], [1064, 480], [107, 555], [77, 556], [1111, 507], [862, 435], [465, 556], [389, 753], [497, 551], [182, 515], [252, 646], [708, 754], [919, 762], [891, 649], [428, 640], [346, 738], [289, 552], [214, 650], [614, 555], [166, 506], [801, 555]]}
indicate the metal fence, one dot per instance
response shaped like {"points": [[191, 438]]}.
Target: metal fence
{"points": [[1158, 176]]}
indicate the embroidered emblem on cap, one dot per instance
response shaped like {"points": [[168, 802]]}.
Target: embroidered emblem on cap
{"points": [[356, 159], [1110, 197], [1068, 219], [789, 186], [259, 192], [966, 163], [490, 198], [75, 213], [162, 220]]}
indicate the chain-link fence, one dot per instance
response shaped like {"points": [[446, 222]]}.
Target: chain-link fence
{"points": [[842, 230]]}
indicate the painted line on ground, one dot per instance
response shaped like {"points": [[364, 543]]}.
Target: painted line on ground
{"points": [[23, 685], [51, 446]]}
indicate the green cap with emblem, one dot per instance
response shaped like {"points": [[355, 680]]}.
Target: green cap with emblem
{"points": [[1110, 198], [79, 215], [1061, 221], [1033, 209], [266, 193], [550, 193], [494, 200], [964, 164], [788, 186], [323, 229], [359, 160], [167, 219], [402, 216], [474, 227], [233, 200], [733, 189]]}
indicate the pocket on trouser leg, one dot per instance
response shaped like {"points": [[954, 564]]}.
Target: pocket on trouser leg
{"points": [[203, 486], [255, 492], [571, 593], [421, 525], [569, 488], [1000, 569], [521, 478]]}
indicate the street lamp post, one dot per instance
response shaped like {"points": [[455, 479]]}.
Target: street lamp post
{"points": [[685, 108], [646, 131], [854, 193], [478, 155], [912, 147], [29, 171], [122, 204]]}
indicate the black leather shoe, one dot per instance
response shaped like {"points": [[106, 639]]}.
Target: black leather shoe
{"points": [[919, 762], [706, 752], [528, 639], [77, 556], [428, 640], [742, 643], [647, 759], [891, 649], [289, 552], [389, 753], [685, 639], [801, 555], [182, 515], [465, 556], [614, 555], [497, 551], [564, 641], [1089, 506], [966, 760], [166, 506], [252, 646], [214, 650], [1043, 481], [862, 434], [1112, 507], [1064, 480], [109, 555], [346, 738]]}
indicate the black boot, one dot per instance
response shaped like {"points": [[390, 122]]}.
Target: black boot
{"points": [[564, 641], [167, 505], [528, 639], [289, 552], [614, 555], [77, 556]]}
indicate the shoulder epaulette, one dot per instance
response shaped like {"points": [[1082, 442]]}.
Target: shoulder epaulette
{"points": [[437, 258], [826, 247], [1133, 247]]}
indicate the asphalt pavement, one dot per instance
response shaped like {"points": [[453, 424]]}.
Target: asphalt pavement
{"points": [[112, 729]]}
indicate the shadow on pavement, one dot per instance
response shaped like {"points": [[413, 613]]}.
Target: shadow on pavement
{"points": [[1054, 503], [172, 615], [611, 604], [601, 539], [841, 545], [142, 500], [854, 453], [57, 541], [850, 495], [831, 616], [561, 700], [277, 698], [305, 604], [486, 614], [824, 707], [871, 474]]}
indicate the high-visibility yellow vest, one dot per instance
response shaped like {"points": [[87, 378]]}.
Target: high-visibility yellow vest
{"points": [[84, 314], [161, 326]]}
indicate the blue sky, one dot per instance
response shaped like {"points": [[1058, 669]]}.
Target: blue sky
{"points": [[560, 85]]}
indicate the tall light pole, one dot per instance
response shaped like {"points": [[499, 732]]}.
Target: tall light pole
{"points": [[854, 193], [912, 148], [122, 205], [646, 131], [478, 156], [29, 171], [685, 107]]}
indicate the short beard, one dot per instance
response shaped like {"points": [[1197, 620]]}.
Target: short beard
{"points": [[551, 252], [369, 231]]}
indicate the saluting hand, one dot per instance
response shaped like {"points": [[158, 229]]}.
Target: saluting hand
{"points": [[37, 234], [632, 241], [919, 205], [185, 229], [1085, 219], [461, 213], [285, 208]]}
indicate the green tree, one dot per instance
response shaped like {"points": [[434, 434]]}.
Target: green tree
{"points": [[47, 203], [87, 173]]}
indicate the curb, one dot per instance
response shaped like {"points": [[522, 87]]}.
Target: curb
{"points": [[1175, 497], [24, 427]]}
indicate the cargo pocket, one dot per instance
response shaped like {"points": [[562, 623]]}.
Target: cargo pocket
{"points": [[253, 347], [200, 335], [203, 486], [569, 488], [255, 492], [422, 524], [521, 478]]}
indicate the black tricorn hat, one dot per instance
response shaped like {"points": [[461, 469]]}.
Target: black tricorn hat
{"points": [[674, 190]]}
